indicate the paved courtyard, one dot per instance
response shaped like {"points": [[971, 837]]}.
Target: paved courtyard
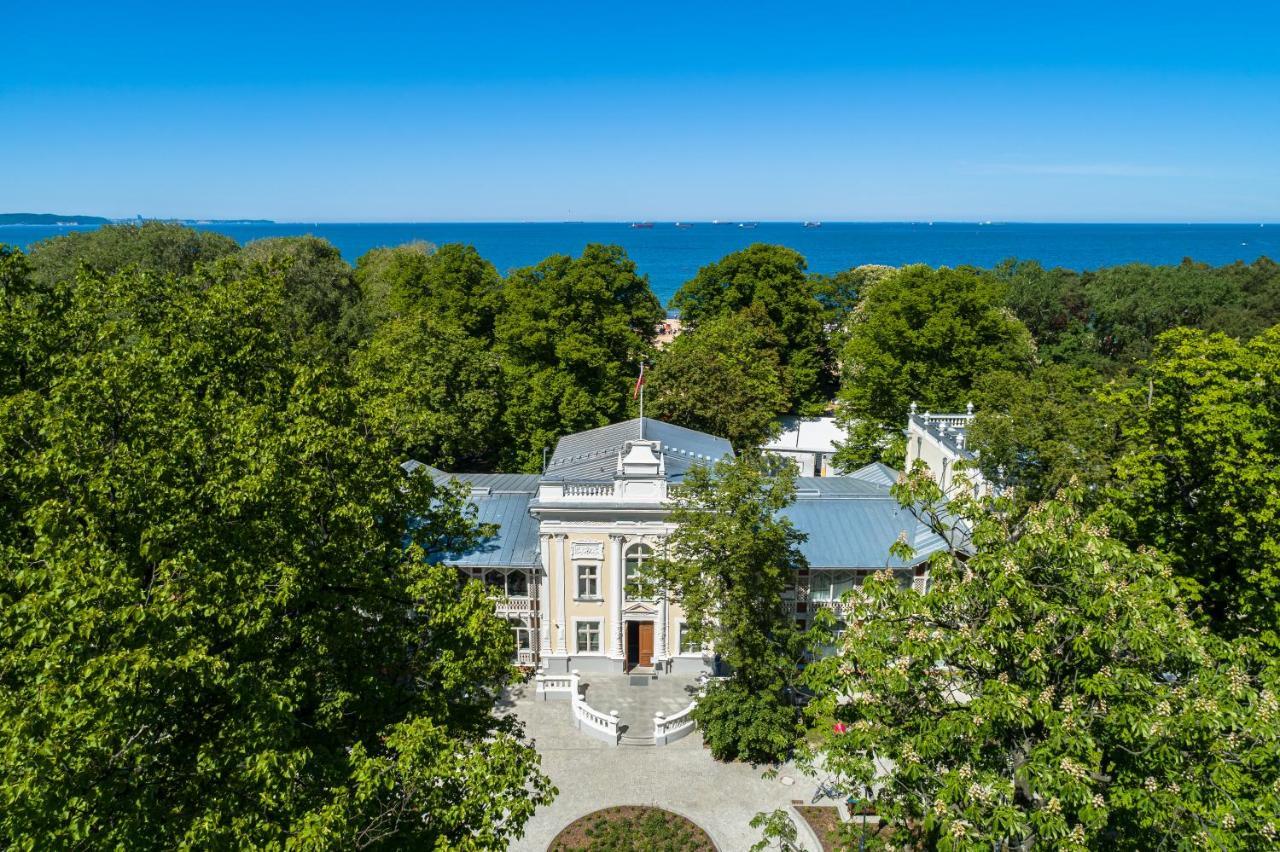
{"points": [[638, 697], [681, 777]]}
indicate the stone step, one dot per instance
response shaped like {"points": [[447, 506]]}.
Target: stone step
{"points": [[635, 741]]}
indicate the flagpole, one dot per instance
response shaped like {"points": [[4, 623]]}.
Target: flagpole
{"points": [[641, 401]]}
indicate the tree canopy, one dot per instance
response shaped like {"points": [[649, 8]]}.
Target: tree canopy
{"points": [[161, 247], [572, 333], [1200, 472], [1048, 689], [923, 335], [435, 389], [221, 627], [773, 279], [726, 379], [451, 284]]}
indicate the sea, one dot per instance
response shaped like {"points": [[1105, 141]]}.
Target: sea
{"points": [[671, 255]]}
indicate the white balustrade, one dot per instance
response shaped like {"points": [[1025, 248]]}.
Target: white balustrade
{"points": [[505, 604], [555, 686], [667, 730], [602, 726], [592, 489]]}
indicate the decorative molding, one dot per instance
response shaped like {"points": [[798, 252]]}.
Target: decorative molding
{"points": [[586, 550]]}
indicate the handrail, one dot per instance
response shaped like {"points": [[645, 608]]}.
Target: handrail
{"points": [[589, 489], [668, 730], [601, 725]]}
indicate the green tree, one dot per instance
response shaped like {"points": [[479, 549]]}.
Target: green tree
{"points": [[1048, 690], [923, 335], [160, 247], [728, 561], [839, 294], [321, 316], [1040, 432], [1201, 472], [1054, 306], [1135, 303], [724, 378], [435, 389], [453, 284], [220, 629], [773, 279], [572, 335]]}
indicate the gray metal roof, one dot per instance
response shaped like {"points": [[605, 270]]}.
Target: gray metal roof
{"points": [[502, 499], [876, 472], [857, 532], [593, 454], [852, 521]]}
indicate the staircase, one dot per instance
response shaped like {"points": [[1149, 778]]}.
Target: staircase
{"points": [[635, 742]]}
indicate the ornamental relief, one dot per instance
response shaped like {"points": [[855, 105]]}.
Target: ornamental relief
{"points": [[586, 550]]}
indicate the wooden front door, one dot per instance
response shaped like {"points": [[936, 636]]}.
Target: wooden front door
{"points": [[646, 644], [639, 644]]}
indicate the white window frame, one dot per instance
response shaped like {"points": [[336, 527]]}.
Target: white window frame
{"points": [[519, 627], [594, 567], [643, 558], [680, 631], [599, 623]]}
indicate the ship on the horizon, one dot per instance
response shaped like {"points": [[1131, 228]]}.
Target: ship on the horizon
{"points": [[642, 224], [813, 224], [747, 224], [683, 225]]}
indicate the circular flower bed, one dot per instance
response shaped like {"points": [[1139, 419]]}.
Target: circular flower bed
{"points": [[631, 828]]}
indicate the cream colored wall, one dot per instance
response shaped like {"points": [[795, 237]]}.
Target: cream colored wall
{"points": [[561, 553], [922, 446]]}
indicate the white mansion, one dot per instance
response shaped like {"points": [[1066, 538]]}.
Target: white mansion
{"points": [[571, 541]]}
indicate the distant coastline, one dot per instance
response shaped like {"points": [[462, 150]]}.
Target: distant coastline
{"points": [[50, 219], [56, 219]]}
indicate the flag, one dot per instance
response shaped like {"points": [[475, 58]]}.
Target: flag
{"points": [[639, 383]]}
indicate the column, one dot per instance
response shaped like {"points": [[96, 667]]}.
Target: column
{"points": [[562, 631], [544, 596], [660, 635], [615, 596]]}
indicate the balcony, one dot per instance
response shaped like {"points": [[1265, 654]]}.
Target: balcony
{"points": [[504, 604]]}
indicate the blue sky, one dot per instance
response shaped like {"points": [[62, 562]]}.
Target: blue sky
{"points": [[377, 111]]}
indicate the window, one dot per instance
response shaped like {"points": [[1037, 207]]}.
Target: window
{"points": [[687, 643], [496, 581], [524, 635], [518, 584], [636, 588], [588, 637], [588, 580]]}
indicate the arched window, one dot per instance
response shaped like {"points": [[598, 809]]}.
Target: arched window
{"points": [[517, 584], [636, 556], [496, 580]]}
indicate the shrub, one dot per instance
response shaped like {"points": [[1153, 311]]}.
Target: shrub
{"points": [[738, 724]]}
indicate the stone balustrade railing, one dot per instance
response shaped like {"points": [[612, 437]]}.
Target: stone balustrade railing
{"points": [[668, 729], [555, 686], [590, 489], [602, 726]]}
